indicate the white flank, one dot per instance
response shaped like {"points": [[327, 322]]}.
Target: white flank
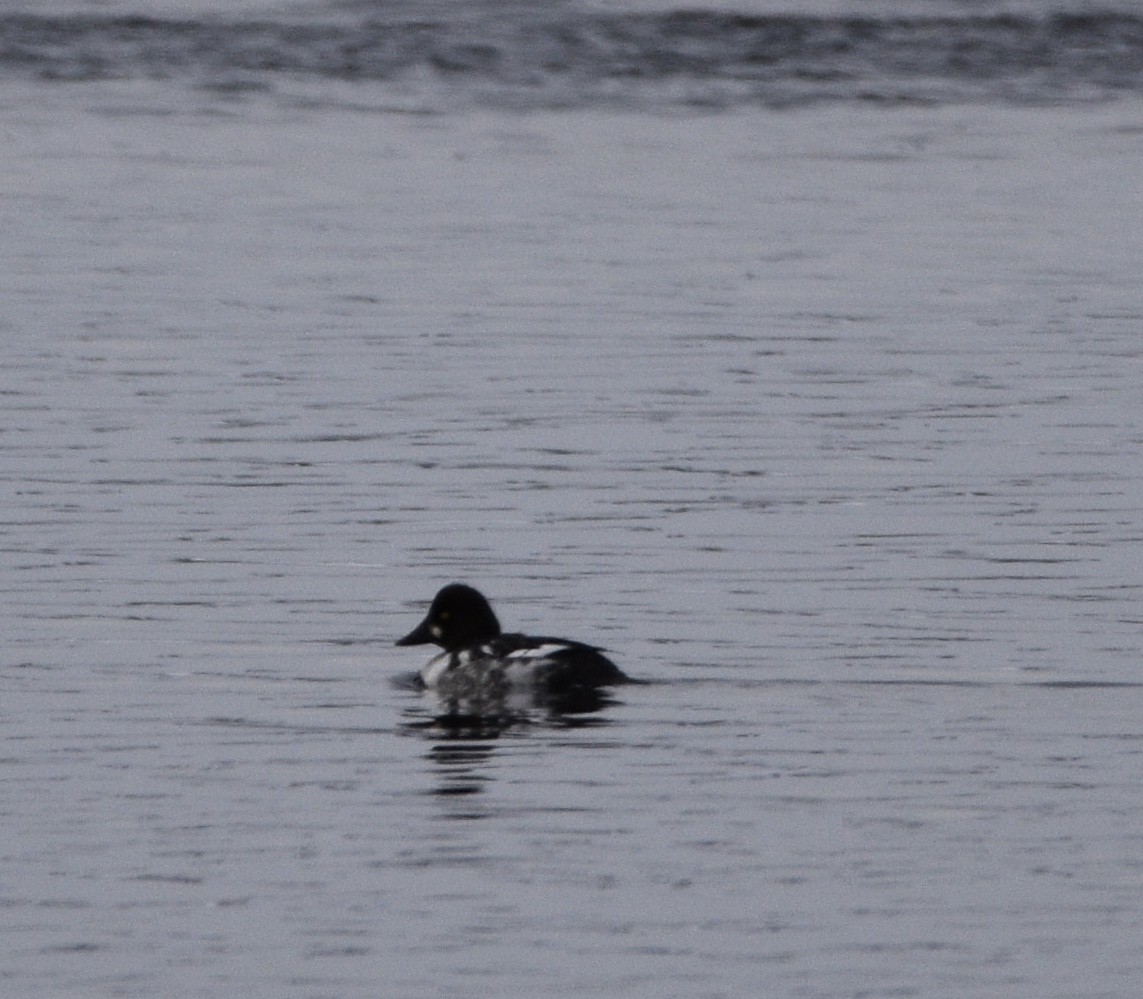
{"points": [[434, 669], [539, 653]]}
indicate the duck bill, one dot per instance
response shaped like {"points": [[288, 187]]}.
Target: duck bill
{"points": [[420, 635]]}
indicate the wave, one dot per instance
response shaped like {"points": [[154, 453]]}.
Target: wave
{"points": [[565, 58]]}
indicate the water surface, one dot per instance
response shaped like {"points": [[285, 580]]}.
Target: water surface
{"points": [[825, 421]]}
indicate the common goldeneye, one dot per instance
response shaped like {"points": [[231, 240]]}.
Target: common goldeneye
{"points": [[479, 660]]}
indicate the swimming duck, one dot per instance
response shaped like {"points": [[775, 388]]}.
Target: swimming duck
{"points": [[479, 659]]}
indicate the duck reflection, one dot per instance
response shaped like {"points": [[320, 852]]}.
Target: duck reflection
{"points": [[490, 715], [466, 732]]}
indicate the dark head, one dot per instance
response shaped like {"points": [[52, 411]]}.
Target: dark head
{"points": [[459, 616]]}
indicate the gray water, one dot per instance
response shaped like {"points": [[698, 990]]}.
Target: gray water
{"points": [[827, 423]]}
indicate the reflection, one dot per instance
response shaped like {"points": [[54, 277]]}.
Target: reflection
{"points": [[489, 713], [507, 709], [465, 732], [458, 766]]}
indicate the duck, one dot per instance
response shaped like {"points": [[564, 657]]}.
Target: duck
{"points": [[479, 659]]}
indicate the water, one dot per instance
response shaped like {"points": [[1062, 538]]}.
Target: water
{"points": [[821, 414], [525, 55]]}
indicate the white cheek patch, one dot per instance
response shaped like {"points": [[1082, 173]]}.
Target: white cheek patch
{"points": [[436, 631]]}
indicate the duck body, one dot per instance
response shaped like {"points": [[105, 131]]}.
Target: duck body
{"points": [[478, 659]]}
